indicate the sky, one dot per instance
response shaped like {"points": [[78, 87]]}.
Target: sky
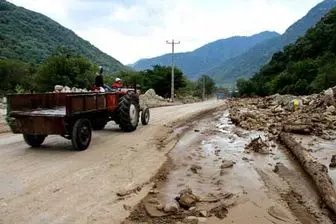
{"points": [[129, 30]]}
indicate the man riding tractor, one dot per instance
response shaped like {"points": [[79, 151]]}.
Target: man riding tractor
{"points": [[117, 83], [99, 81]]}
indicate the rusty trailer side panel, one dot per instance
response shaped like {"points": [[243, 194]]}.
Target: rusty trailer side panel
{"points": [[52, 113], [39, 125], [85, 103]]}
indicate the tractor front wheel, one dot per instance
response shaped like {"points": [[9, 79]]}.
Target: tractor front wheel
{"points": [[81, 134], [145, 116], [34, 140], [128, 112]]}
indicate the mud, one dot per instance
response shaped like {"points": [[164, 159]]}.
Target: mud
{"points": [[247, 184]]}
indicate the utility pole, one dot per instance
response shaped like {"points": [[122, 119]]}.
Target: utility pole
{"points": [[173, 65]]}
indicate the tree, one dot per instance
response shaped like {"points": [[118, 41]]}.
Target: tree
{"points": [[15, 74], [209, 84], [65, 69], [159, 78]]}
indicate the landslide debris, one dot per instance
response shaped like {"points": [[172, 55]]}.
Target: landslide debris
{"points": [[313, 114]]}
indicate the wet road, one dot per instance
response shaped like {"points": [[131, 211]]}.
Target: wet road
{"points": [[54, 184], [261, 195]]}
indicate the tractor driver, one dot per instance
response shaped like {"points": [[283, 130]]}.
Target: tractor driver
{"points": [[117, 83]]}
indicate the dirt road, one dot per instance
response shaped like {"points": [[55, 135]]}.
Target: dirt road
{"points": [[54, 184]]}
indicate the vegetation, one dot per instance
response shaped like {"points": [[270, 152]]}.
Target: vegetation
{"points": [[306, 67], [32, 37]]}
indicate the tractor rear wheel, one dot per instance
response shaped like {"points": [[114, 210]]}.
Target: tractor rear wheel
{"points": [[34, 140], [128, 112]]}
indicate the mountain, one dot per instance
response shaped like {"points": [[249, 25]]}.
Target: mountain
{"points": [[247, 64], [308, 66], [208, 56], [32, 37]]}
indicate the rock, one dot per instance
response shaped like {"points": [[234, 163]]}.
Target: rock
{"points": [[195, 168], [331, 109], [160, 207], [58, 88], [219, 211], [278, 213], [227, 164], [195, 220], [154, 201], [171, 208], [127, 207], [333, 162], [153, 191], [192, 208], [258, 145], [203, 213], [187, 199], [124, 193]]}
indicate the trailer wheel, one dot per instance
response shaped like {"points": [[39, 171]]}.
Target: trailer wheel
{"points": [[81, 134], [128, 112], [145, 115], [34, 140]]}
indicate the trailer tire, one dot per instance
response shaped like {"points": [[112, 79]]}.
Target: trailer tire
{"points": [[145, 115], [128, 112], [34, 140], [81, 134]]}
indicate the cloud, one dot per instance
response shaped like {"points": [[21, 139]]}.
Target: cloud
{"points": [[132, 29]]}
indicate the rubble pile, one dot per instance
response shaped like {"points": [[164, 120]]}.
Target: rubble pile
{"points": [[150, 99], [314, 114]]}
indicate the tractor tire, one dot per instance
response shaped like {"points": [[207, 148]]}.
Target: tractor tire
{"points": [[98, 124], [128, 112], [81, 134], [145, 115], [34, 140]]}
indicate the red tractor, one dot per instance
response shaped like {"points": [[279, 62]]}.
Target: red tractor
{"points": [[73, 115]]}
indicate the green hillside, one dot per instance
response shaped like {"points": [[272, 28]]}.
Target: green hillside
{"points": [[308, 66], [32, 37]]}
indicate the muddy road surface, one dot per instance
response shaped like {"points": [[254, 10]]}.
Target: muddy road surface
{"points": [[55, 184], [214, 175]]}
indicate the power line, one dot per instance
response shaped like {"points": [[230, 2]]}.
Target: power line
{"points": [[173, 43]]}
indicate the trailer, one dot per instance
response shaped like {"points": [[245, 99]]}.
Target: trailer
{"points": [[72, 115]]}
